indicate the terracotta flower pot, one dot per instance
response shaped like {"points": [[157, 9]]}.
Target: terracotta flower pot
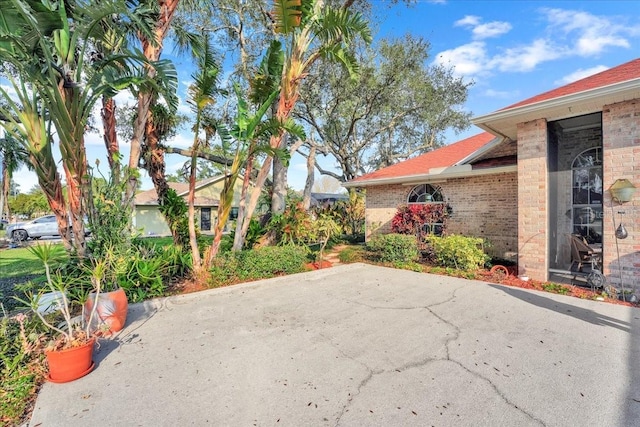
{"points": [[71, 363], [111, 311]]}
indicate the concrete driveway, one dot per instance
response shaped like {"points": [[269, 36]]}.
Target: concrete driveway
{"points": [[359, 345]]}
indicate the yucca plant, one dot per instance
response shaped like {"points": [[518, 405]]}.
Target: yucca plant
{"points": [[63, 292]]}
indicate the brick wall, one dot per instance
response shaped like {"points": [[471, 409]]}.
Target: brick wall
{"points": [[532, 199], [483, 206], [621, 146]]}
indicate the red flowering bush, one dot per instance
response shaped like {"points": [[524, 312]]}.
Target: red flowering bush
{"points": [[410, 219]]}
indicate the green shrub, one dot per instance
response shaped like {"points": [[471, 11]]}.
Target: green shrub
{"points": [[460, 252], [149, 267], [262, 263], [408, 265], [350, 254], [556, 288], [393, 248]]}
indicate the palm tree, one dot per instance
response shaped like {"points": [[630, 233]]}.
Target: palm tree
{"points": [[201, 95], [25, 122], [49, 48], [13, 157], [251, 134], [311, 30]]}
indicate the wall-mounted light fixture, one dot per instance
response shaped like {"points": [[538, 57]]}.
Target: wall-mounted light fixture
{"points": [[622, 190]]}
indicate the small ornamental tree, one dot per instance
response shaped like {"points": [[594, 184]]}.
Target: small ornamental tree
{"points": [[410, 219]]}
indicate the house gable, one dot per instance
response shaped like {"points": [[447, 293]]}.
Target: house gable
{"points": [[449, 159]]}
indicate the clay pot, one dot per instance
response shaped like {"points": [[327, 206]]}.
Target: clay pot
{"points": [[111, 311], [500, 268], [71, 363]]}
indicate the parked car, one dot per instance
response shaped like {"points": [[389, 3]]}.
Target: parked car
{"points": [[40, 227]]}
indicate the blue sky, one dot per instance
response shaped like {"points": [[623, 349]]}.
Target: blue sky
{"points": [[511, 50]]}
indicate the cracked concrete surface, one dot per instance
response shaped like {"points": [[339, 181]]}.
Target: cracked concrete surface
{"points": [[361, 345]]}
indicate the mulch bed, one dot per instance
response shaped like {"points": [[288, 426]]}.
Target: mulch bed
{"points": [[498, 276]]}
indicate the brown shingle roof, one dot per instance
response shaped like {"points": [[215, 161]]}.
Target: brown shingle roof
{"points": [[627, 71], [448, 155], [150, 197]]}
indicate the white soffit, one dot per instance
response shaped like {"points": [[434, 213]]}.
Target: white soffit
{"points": [[434, 175], [504, 122]]}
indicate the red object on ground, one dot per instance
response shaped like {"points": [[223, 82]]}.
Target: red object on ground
{"points": [[71, 363], [111, 311]]}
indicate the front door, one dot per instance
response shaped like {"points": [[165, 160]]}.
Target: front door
{"points": [[575, 190]]}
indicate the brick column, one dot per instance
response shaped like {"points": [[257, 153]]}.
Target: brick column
{"points": [[621, 152], [533, 221]]}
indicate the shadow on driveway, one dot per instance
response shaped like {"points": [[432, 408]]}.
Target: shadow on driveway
{"points": [[571, 310]]}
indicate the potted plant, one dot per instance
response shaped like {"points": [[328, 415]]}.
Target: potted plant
{"points": [[69, 353], [112, 303]]}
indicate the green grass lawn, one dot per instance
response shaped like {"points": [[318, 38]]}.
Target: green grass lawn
{"points": [[19, 262]]}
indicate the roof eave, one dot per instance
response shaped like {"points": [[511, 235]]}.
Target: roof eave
{"points": [[448, 173], [485, 121]]}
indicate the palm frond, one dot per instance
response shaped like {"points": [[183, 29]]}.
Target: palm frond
{"points": [[287, 15], [267, 78], [341, 25], [336, 53]]}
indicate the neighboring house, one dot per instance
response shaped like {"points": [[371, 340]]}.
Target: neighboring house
{"points": [[148, 219], [327, 199], [539, 174]]}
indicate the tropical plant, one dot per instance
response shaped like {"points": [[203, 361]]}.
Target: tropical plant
{"points": [[419, 219], [310, 30], [175, 210], [64, 295], [108, 216], [325, 228], [201, 95], [49, 45], [13, 156], [293, 227]]}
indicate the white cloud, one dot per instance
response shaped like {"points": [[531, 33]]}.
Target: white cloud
{"points": [[591, 34], [467, 21], [491, 93], [466, 60], [491, 29], [568, 33], [483, 31], [581, 74], [526, 58]]}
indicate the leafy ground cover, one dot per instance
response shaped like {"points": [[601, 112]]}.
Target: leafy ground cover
{"points": [[17, 266]]}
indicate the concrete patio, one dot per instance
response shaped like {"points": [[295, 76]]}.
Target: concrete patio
{"points": [[361, 345]]}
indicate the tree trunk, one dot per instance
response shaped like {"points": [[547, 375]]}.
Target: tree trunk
{"points": [[155, 166], [4, 196], [238, 239], [51, 185], [75, 195], [253, 202], [279, 196], [311, 161], [144, 101], [152, 52], [108, 114], [193, 241]]}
